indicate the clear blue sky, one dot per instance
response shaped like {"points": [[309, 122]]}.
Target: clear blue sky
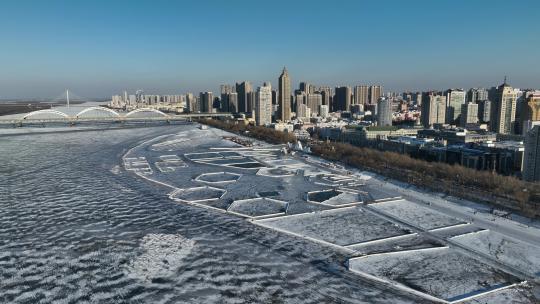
{"points": [[97, 48]]}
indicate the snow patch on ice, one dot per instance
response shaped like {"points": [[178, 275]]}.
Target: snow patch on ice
{"points": [[162, 255]]}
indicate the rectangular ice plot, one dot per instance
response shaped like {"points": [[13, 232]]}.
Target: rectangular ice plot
{"points": [[523, 256], [343, 226], [421, 216], [228, 161], [440, 272], [400, 243], [203, 155]]}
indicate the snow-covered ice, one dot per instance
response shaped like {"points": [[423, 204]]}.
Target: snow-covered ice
{"points": [[162, 255], [513, 252], [415, 213]]}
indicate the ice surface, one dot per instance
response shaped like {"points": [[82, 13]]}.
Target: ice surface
{"points": [[162, 255], [197, 194], [218, 177], [417, 214], [401, 243], [258, 207], [342, 226], [513, 252], [441, 272]]}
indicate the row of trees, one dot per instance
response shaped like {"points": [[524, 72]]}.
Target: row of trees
{"points": [[258, 132], [455, 180], [451, 179]]}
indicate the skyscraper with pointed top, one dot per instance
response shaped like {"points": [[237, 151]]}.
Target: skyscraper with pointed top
{"points": [[284, 96], [503, 109]]}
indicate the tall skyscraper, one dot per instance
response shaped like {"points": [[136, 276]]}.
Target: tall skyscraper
{"points": [[243, 89], [326, 93], [469, 114], [433, 109], [206, 101], [251, 98], [191, 103], [232, 99], [284, 96], [531, 161], [263, 105], [225, 91], [454, 99], [306, 88], [314, 100], [375, 92], [361, 94], [503, 109], [484, 111], [342, 99], [384, 112]]}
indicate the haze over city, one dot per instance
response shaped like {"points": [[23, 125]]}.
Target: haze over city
{"points": [[99, 48]]}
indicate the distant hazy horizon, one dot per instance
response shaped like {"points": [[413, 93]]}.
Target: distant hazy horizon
{"points": [[100, 48]]}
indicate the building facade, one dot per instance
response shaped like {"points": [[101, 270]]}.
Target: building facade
{"points": [[361, 94], [454, 99], [284, 96], [384, 112], [375, 92], [531, 170], [469, 114], [263, 105], [433, 109], [503, 109], [342, 99]]}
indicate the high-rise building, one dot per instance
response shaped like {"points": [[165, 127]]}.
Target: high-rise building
{"points": [[314, 100], [531, 162], [251, 97], [306, 88], [469, 114], [361, 94], [206, 102], [299, 99], [384, 112], [433, 109], [503, 109], [302, 111], [232, 102], [225, 91], [284, 96], [191, 103], [323, 111], [342, 99], [531, 109], [243, 89], [454, 99], [326, 93], [263, 105], [484, 111], [375, 92], [477, 94]]}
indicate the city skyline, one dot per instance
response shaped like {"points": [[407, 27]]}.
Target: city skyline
{"points": [[97, 49]]}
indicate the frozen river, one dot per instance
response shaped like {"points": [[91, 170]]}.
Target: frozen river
{"points": [[76, 228], [148, 216]]}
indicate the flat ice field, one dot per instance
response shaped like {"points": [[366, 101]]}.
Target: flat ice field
{"points": [[441, 272], [398, 238], [343, 227]]}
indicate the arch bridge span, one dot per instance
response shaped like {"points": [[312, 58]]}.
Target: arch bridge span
{"points": [[99, 113]]}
